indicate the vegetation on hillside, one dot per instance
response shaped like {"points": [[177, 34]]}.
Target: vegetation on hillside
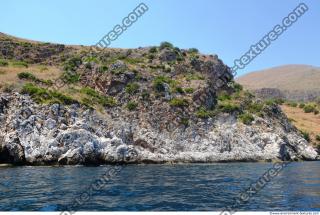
{"points": [[132, 80]]}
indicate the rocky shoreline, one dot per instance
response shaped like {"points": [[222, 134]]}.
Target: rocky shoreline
{"points": [[70, 105], [35, 134]]}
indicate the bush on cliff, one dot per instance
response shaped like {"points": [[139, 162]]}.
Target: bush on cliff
{"points": [[42, 95], [97, 98], [20, 64], [177, 102], [131, 105], [203, 113], [246, 118], [165, 44], [306, 135], [3, 62], [309, 108], [27, 76], [132, 88], [228, 107]]}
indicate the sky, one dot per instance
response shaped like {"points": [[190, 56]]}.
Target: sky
{"points": [[224, 27]]}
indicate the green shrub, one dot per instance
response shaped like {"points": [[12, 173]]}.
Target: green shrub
{"points": [[301, 105], [193, 50], [102, 68], [318, 148], [189, 90], [204, 113], [153, 49], [31, 77], [72, 64], [228, 107], [184, 121], [145, 95], [159, 81], [151, 56], [269, 102], [279, 101], [318, 137], [87, 102], [97, 98], [180, 58], [89, 91], [131, 105], [237, 87], [70, 77], [3, 62], [33, 90], [107, 101], [179, 90], [246, 118], [132, 88], [274, 101], [67, 100], [88, 59], [224, 96], [133, 60], [177, 50], [255, 107], [177, 102], [167, 69], [46, 96], [292, 104], [20, 64], [27, 76], [306, 135], [166, 45], [308, 108], [193, 76], [46, 82]]}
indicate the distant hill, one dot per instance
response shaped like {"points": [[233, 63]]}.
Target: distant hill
{"points": [[292, 82]]}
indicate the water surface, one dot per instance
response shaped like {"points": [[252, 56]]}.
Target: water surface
{"points": [[197, 187]]}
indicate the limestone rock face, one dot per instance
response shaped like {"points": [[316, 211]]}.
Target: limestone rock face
{"points": [[56, 134]]}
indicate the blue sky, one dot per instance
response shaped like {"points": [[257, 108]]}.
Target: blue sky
{"points": [[223, 27]]}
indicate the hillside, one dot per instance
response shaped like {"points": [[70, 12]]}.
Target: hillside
{"points": [[291, 82], [73, 105]]}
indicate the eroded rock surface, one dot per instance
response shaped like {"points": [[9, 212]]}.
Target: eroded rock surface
{"points": [[54, 134]]}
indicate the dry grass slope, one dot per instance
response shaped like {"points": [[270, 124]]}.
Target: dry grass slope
{"points": [[290, 77], [307, 122], [297, 82]]}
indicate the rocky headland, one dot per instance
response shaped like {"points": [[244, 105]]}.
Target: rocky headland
{"points": [[72, 105]]}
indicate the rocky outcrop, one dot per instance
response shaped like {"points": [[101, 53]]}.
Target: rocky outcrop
{"points": [[293, 95], [24, 51], [54, 134], [269, 93], [145, 105]]}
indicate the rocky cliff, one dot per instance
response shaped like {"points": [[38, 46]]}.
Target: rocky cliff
{"points": [[147, 105]]}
